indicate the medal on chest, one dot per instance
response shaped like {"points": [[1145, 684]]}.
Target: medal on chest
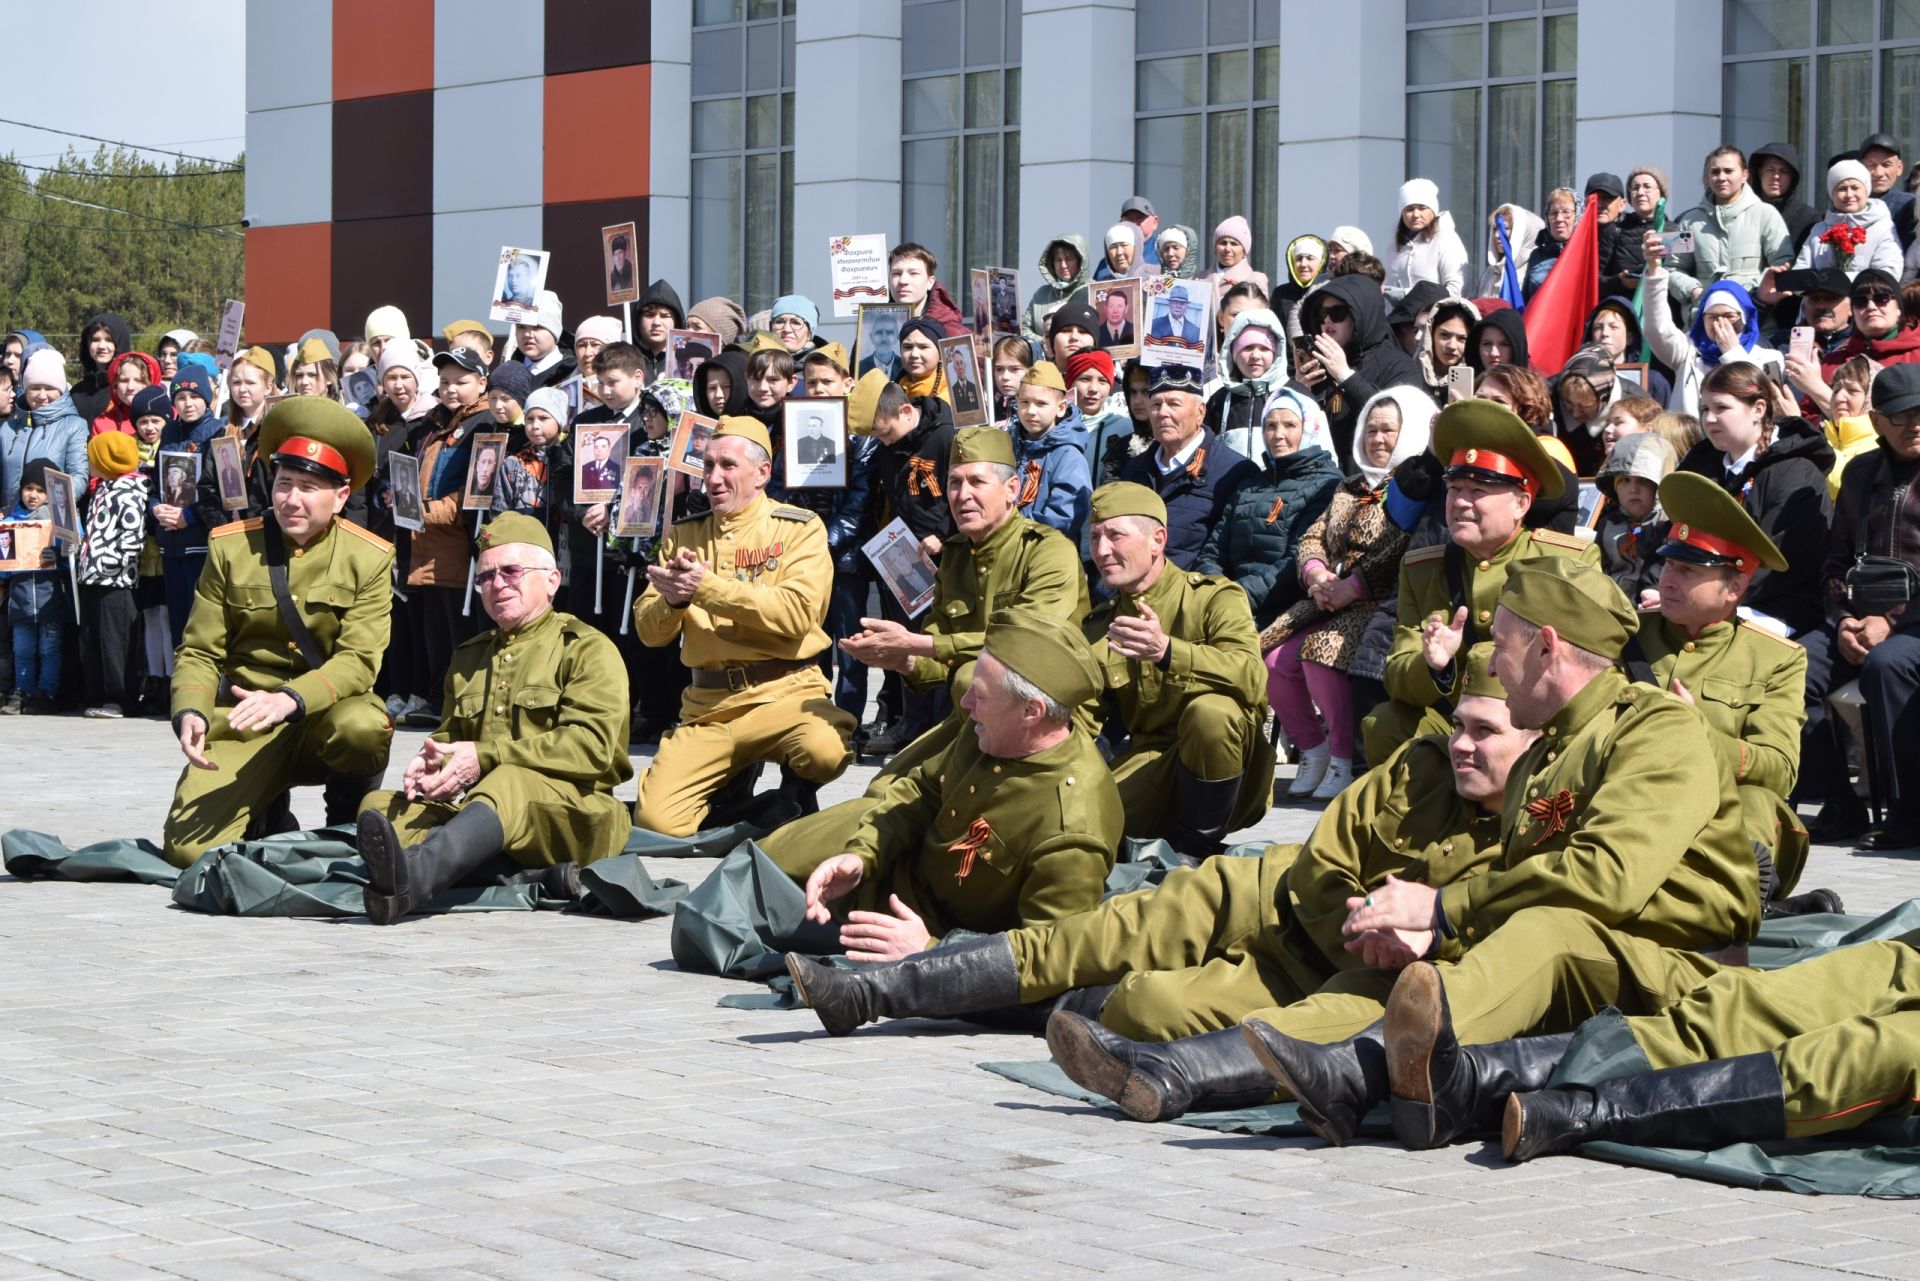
{"points": [[749, 561]]}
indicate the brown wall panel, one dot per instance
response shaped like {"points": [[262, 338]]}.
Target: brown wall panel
{"points": [[573, 234], [383, 157], [585, 35], [377, 261]]}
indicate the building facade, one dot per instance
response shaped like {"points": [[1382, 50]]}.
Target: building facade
{"points": [[395, 145]]}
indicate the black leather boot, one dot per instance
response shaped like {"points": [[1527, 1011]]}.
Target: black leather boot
{"points": [[1441, 1090], [731, 797], [1202, 808], [1335, 1085], [1087, 1002], [272, 819], [1701, 1105], [965, 978], [799, 793], [344, 792], [403, 879], [1808, 904], [1159, 1080]]}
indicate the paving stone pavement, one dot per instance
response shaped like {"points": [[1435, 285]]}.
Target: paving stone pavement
{"points": [[541, 1096]]}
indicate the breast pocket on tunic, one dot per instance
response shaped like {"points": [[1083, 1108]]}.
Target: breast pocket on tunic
{"points": [[1739, 699], [536, 709]]}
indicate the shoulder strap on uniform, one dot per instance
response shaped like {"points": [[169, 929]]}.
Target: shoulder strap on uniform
{"points": [[1457, 594], [276, 550], [1634, 659]]}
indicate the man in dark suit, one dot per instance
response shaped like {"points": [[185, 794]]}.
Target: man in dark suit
{"points": [[600, 472], [1173, 322], [815, 445], [1116, 324]]}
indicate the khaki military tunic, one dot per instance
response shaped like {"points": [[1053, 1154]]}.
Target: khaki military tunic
{"points": [[987, 843], [1213, 943], [1750, 684], [1203, 706], [1621, 817], [1414, 698], [341, 582], [764, 599], [547, 710]]}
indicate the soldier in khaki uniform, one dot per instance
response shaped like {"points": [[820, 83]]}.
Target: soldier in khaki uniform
{"points": [[1496, 467], [745, 588], [1014, 823], [1000, 560], [1212, 943], [1182, 659], [258, 705], [532, 746], [1748, 682]]}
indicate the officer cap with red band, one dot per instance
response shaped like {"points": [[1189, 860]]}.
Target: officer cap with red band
{"points": [[1480, 440], [318, 435], [1710, 527]]}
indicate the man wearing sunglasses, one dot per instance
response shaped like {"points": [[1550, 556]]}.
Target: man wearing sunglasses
{"points": [[521, 772]]}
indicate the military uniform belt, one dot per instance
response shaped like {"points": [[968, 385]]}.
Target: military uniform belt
{"points": [[737, 677]]}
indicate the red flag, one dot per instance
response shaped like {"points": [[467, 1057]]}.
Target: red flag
{"points": [[1556, 315]]}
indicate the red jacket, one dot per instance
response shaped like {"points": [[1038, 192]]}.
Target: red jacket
{"points": [[1903, 348], [116, 417], [941, 309]]}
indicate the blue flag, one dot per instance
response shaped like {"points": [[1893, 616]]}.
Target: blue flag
{"points": [[1509, 278]]}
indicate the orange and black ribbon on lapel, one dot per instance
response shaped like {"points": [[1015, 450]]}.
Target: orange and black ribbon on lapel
{"points": [[979, 832], [1553, 812]]}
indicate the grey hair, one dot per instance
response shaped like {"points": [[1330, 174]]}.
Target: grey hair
{"points": [[1027, 692], [1003, 472], [755, 455], [532, 555]]}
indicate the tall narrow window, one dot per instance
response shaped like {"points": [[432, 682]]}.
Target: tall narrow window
{"points": [[742, 150]]}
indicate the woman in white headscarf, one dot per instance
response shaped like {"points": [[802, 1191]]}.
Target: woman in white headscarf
{"points": [[1349, 561], [1120, 257]]}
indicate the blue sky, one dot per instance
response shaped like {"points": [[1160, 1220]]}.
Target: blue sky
{"points": [[133, 71]]}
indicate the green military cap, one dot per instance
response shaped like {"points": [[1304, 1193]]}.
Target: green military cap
{"points": [[1476, 674], [1049, 653], [759, 340], [981, 445], [1577, 600], [1126, 498], [1477, 439], [866, 395], [1710, 527], [746, 429], [834, 354], [318, 435], [1044, 374], [514, 527]]}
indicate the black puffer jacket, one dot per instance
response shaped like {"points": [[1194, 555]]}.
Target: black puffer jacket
{"points": [[1255, 540], [1377, 360], [1785, 491]]}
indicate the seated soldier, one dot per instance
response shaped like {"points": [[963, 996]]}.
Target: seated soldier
{"points": [[1745, 1056], [1621, 812], [745, 587], [999, 560], [1212, 943], [1749, 683], [532, 746], [1184, 674], [272, 682], [1496, 470], [1014, 823]]}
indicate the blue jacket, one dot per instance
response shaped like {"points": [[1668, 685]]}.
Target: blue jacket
{"points": [[56, 433], [187, 438], [1056, 486], [1196, 495]]}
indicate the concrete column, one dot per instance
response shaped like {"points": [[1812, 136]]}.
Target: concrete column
{"points": [[1076, 157], [846, 138], [1664, 107], [670, 182], [1343, 120]]}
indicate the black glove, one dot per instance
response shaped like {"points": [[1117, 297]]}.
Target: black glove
{"points": [[1419, 477]]}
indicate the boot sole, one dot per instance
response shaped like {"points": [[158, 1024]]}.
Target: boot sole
{"points": [[1513, 1128], [1327, 1127], [385, 909], [1413, 1027], [797, 967], [1088, 1065], [379, 848]]}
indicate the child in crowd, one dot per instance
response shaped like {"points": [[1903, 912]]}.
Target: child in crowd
{"points": [[1056, 487], [507, 390], [152, 415], [1070, 329], [1102, 415], [1629, 527], [531, 471], [129, 372], [109, 565], [1012, 358], [1625, 416], [181, 531], [36, 606]]}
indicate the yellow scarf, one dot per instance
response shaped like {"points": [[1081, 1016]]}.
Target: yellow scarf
{"points": [[933, 384]]}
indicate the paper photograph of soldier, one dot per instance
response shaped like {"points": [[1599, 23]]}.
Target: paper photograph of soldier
{"points": [[980, 317], [814, 434], [179, 478], [483, 470], [23, 545], [1003, 289], [688, 453], [687, 350], [1178, 319], [616, 251], [229, 473], [877, 340], [519, 276], [403, 485], [971, 408], [60, 505], [361, 388], [640, 489], [903, 567], [597, 459], [1116, 303]]}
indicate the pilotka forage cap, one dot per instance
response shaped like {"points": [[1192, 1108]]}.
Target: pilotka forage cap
{"points": [[1476, 674], [1577, 600], [1046, 652], [982, 445], [1125, 498], [746, 429], [514, 527]]}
